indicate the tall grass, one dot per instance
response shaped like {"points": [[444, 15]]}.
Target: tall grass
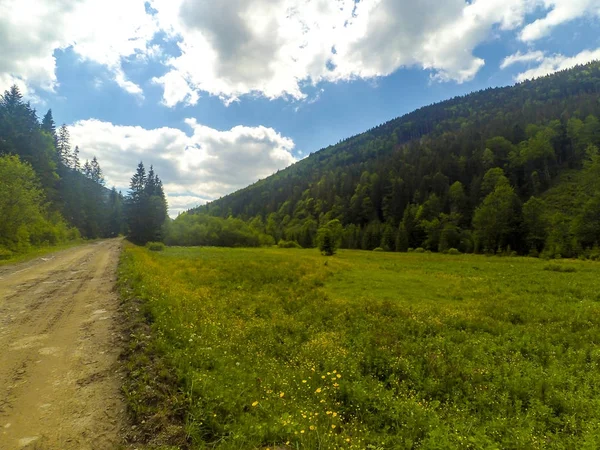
{"points": [[284, 348]]}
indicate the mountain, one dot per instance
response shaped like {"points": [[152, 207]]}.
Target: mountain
{"points": [[480, 172]]}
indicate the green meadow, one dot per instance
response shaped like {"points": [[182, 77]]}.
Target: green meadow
{"points": [[288, 349]]}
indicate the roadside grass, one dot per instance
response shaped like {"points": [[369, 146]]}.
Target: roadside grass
{"points": [[285, 348], [42, 251]]}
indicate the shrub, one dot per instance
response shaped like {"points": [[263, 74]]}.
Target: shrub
{"points": [[453, 251], [419, 250], [326, 241], [558, 268], [378, 249], [155, 246], [288, 244], [5, 253]]}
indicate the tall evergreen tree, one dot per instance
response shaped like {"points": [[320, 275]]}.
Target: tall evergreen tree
{"points": [[75, 163], [96, 172], [64, 146], [49, 127]]}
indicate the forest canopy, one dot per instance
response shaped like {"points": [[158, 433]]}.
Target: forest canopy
{"points": [[498, 171], [48, 196]]}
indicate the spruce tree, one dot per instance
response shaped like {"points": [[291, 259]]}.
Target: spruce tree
{"points": [[75, 164], [64, 146], [146, 206], [49, 127], [96, 172]]}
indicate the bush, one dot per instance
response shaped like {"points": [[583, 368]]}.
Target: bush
{"points": [[378, 249], [326, 241], [5, 253], [453, 251], [419, 250], [558, 268], [288, 244], [155, 246]]}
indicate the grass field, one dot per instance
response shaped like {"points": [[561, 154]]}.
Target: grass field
{"points": [[285, 348]]}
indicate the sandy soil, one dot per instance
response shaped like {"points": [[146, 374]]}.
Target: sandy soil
{"points": [[59, 349]]}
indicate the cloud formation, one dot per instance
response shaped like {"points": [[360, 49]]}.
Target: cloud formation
{"points": [[271, 48], [101, 31], [547, 64], [194, 168]]}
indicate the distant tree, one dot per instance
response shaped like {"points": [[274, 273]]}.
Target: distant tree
{"points": [[64, 146], [458, 198], [146, 206], [75, 163], [329, 237], [535, 223], [87, 169], [497, 218], [96, 172], [491, 179], [49, 127], [115, 218]]}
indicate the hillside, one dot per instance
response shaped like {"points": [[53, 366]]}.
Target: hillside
{"points": [[48, 196], [473, 173]]}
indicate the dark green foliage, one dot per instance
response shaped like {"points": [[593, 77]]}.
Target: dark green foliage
{"points": [[558, 268], [145, 207], [155, 246], [288, 244], [329, 237], [64, 190], [204, 230], [425, 179], [25, 220]]}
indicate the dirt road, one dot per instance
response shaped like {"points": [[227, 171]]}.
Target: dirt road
{"points": [[59, 346]]}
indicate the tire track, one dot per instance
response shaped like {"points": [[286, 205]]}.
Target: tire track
{"points": [[59, 347]]}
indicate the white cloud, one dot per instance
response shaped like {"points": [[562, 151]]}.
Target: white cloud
{"points": [[204, 166], [547, 64], [272, 48], [522, 58], [232, 48], [559, 12], [103, 32]]}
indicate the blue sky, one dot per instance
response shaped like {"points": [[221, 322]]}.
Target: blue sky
{"points": [[216, 96]]}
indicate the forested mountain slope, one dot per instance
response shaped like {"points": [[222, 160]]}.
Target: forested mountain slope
{"points": [[47, 196], [475, 173]]}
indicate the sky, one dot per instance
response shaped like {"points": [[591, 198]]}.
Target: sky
{"points": [[219, 94]]}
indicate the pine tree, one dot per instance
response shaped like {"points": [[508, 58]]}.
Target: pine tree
{"points": [[96, 172], [64, 146], [146, 206], [49, 127], [76, 164], [87, 169]]}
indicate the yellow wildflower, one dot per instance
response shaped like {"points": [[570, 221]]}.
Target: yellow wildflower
{"points": [[254, 403], [281, 394], [318, 390]]}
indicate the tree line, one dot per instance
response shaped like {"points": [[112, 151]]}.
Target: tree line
{"points": [[498, 171], [47, 196]]}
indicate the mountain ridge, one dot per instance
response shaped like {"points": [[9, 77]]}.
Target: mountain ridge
{"points": [[526, 134]]}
